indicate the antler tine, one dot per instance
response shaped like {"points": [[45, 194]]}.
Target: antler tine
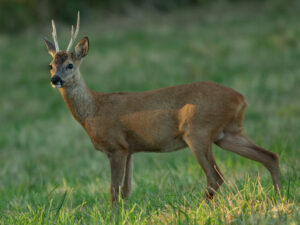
{"points": [[54, 35], [74, 35]]}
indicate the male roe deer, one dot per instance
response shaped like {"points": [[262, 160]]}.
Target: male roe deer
{"points": [[163, 120]]}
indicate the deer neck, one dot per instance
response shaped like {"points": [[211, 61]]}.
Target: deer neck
{"points": [[79, 99]]}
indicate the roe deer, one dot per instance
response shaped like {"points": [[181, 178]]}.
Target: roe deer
{"points": [[163, 120]]}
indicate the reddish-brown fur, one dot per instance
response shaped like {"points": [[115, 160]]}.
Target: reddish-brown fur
{"points": [[163, 120]]}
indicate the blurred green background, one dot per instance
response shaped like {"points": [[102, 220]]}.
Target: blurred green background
{"points": [[17, 15], [49, 171]]}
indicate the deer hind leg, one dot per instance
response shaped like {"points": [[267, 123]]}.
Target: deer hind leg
{"points": [[201, 147], [242, 145]]}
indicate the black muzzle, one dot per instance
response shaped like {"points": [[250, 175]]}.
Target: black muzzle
{"points": [[56, 80]]}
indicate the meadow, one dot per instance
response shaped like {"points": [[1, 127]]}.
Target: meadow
{"points": [[49, 170]]}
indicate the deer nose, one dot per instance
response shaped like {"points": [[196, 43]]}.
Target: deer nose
{"points": [[56, 80]]}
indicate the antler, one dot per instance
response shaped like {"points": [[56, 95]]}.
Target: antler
{"points": [[55, 36], [74, 35]]}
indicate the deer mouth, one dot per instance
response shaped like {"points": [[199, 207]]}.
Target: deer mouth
{"points": [[56, 85]]}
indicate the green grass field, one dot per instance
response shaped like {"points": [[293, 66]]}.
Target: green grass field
{"points": [[49, 171]]}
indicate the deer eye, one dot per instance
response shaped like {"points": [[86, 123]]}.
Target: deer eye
{"points": [[70, 66], [50, 66]]}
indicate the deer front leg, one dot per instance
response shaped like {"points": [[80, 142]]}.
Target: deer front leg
{"points": [[128, 177], [118, 167]]}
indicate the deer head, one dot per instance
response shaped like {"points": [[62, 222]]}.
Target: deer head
{"points": [[65, 64]]}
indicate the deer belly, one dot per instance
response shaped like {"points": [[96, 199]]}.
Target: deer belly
{"points": [[153, 143], [152, 130], [160, 138]]}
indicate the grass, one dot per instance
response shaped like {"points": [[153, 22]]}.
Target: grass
{"points": [[49, 171]]}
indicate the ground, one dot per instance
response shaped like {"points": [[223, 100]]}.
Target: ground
{"points": [[49, 171]]}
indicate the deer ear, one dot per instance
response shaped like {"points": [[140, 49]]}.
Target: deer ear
{"points": [[82, 48], [51, 47]]}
